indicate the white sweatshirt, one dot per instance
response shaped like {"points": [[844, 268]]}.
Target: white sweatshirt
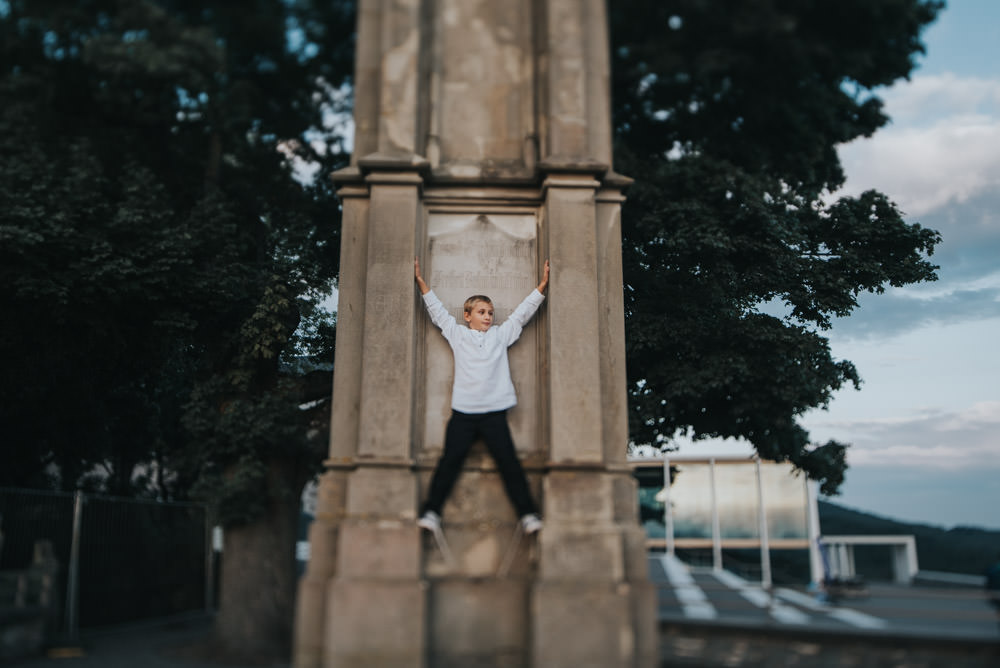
{"points": [[482, 373]]}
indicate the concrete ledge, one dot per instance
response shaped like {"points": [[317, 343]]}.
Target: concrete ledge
{"points": [[943, 579], [688, 643]]}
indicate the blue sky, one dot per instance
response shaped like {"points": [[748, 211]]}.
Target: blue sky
{"points": [[925, 427]]}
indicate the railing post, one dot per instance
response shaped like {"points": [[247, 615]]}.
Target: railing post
{"points": [[668, 511], [716, 529], [765, 546], [209, 560], [73, 570]]}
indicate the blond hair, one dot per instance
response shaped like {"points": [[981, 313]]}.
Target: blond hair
{"points": [[471, 301]]}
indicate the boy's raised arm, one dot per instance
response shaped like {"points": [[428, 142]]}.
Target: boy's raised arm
{"points": [[420, 279], [545, 278]]}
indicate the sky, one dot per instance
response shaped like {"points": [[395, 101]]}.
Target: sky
{"points": [[925, 427]]}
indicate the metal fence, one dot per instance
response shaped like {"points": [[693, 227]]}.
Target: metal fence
{"points": [[121, 560]]}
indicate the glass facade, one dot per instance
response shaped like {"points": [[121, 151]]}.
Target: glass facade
{"points": [[786, 500], [736, 498], [726, 493], [652, 501]]}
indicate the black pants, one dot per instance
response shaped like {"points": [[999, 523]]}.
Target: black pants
{"points": [[462, 431]]}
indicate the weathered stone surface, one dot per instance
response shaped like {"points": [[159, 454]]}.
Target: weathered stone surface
{"points": [[582, 625], [478, 623], [323, 549], [388, 351], [310, 602], [346, 407], [310, 621], [611, 326], [375, 623], [581, 553], [331, 495], [575, 378], [378, 492], [626, 497], [579, 496], [482, 88], [379, 549]]}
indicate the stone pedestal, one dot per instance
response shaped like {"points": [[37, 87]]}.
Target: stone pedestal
{"points": [[482, 146]]}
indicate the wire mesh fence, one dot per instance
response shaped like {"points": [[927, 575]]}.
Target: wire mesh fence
{"points": [[120, 559]]}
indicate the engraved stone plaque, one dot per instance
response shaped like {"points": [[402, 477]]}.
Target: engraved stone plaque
{"points": [[496, 256]]}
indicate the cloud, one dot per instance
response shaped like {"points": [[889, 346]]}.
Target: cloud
{"points": [[943, 145], [939, 161], [903, 310], [926, 99], [930, 439]]}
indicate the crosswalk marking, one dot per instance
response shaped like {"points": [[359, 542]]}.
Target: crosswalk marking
{"points": [[846, 615], [859, 619], [693, 600], [760, 598], [802, 600], [788, 610]]}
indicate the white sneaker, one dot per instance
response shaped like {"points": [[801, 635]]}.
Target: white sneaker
{"points": [[531, 523], [430, 521]]}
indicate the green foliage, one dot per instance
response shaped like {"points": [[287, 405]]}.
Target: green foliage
{"points": [[728, 114], [241, 441], [164, 266], [163, 263]]}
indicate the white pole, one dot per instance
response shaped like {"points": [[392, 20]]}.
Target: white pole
{"points": [[716, 531], [815, 558], [765, 548], [668, 510]]}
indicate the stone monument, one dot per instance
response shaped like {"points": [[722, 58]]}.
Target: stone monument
{"points": [[483, 146]]}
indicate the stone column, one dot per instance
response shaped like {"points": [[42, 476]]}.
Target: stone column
{"points": [[362, 600], [483, 145]]}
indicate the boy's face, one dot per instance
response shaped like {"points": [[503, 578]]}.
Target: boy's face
{"points": [[480, 317]]}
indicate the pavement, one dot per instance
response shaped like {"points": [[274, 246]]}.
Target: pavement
{"points": [[707, 618], [717, 596], [177, 643]]}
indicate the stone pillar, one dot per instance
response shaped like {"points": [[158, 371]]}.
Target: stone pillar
{"points": [[483, 146]]}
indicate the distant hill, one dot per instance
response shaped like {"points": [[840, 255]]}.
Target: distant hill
{"points": [[960, 550]]}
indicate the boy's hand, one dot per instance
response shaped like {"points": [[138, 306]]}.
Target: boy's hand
{"points": [[545, 278], [419, 279]]}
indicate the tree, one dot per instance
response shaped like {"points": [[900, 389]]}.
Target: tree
{"points": [[728, 113], [164, 266]]}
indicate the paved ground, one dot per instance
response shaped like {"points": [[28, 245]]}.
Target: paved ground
{"points": [[714, 619], [707, 618], [700, 594], [175, 644]]}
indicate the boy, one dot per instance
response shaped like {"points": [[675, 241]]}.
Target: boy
{"points": [[480, 396]]}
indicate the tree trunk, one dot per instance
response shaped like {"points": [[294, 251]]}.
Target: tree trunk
{"points": [[256, 601]]}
